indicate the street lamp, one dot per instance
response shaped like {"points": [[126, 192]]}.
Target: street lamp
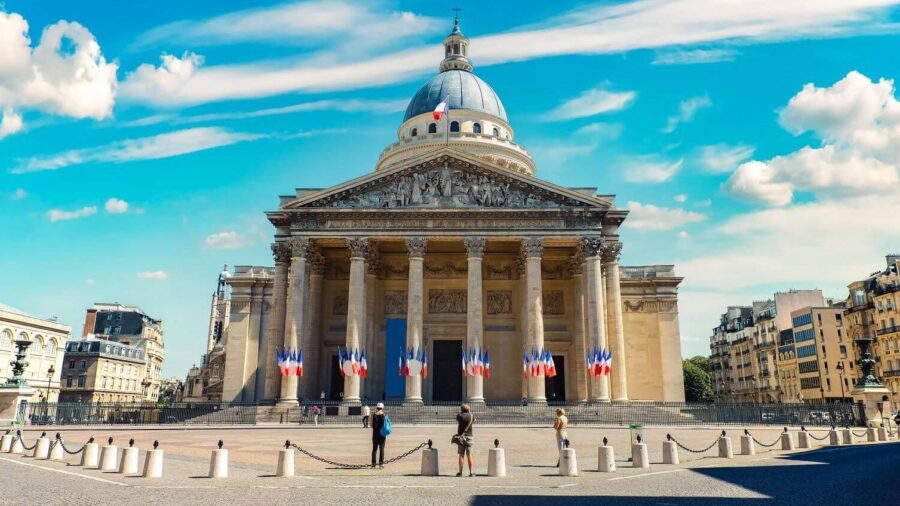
{"points": [[144, 384], [840, 368], [49, 379]]}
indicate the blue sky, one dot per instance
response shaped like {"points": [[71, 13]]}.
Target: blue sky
{"points": [[757, 144]]}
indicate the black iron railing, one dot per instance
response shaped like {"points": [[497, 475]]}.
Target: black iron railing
{"points": [[138, 413]]}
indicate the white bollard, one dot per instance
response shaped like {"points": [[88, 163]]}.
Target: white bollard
{"points": [[56, 453], [670, 452], [218, 463], [882, 434], [430, 462], [90, 456], [787, 441], [496, 462], [606, 459], [285, 468], [747, 445], [639, 456], [42, 448], [6, 443], [568, 462], [153, 462], [871, 435], [129, 464], [803, 439], [833, 438], [846, 437], [725, 450], [17, 447], [109, 457]]}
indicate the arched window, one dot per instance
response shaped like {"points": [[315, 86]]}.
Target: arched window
{"points": [[496, 132], [51, 347], [432, 128], [415, 132], [454, 126], [476, 128], [5, 340]]}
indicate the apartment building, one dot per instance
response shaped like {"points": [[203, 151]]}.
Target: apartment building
{"points": [[97, 371]]}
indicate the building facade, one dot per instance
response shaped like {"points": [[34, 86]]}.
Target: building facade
{"points": [[130, 326], [48, 339], [452, 243], [204, 383], [824, 354], [103, 371]]}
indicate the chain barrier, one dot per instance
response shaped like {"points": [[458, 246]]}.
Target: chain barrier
{"points": [[764, 445], [25, 446], [76, 452], [691, 450], [288, 444], [858, 435], [823, 438]]}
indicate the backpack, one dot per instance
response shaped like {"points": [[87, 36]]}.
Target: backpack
{"points": [[386, 429]]}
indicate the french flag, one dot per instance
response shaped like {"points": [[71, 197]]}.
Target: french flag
{"points": [[525, 364], [607, 362], [463, 350], [442, 109], [298, 364], [424, 364], [487, 365], [363, 366], [340, 358], [281, 360], [400, 363]]}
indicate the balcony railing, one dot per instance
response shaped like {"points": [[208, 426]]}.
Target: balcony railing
{"points": [[892, 374], [888, 330]]}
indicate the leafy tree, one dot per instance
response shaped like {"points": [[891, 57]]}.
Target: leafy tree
{"points": [[703, 363], [697, 385]]}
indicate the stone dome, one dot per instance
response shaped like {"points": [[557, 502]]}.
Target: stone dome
{"points": [[465, 90]]}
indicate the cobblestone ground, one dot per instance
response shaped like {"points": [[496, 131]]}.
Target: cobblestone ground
{"points": [[530, 457]]}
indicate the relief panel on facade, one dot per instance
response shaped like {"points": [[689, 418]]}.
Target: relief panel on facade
{"points": [[553, 302], [499, 302], [339, 305], [447, 301], [445, 269], [500, 270], [650, 306], [395, 302], [555, 270]]}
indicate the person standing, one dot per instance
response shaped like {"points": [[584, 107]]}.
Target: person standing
{"points": [[561, 425], [315, 413], [322, 396], [378, 439], [366, 412], [464, 438]]}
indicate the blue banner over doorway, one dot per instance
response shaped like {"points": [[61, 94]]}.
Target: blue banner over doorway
{"points": [[395, 343]]}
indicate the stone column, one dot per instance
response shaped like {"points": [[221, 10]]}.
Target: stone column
{"points": [[374, 347], [594, 308], [356, 310], [475, 312], [616, 331], [576, 267], [415, 310], [312, 342], [534, 307], [275, 328], [296, 307]]}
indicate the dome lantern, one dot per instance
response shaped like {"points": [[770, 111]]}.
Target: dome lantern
{"points": [[456, 50]]}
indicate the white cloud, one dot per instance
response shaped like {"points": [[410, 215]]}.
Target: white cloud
{"points": [[650, 217], [116, 206], [588, 30], [687, 109], [681, 198], [647, 169], [228, 240], [592, 102], [348, 105], [724, 158], [153, 275], [858, 122], [143, 148], [19, 194], [582, 142], [64, 74], [694, 56], [683, 235], [60, 215]]}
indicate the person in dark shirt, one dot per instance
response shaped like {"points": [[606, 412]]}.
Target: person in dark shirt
{"points": [[377, 439], [464, 421]]}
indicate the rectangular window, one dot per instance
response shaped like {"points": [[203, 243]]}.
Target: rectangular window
{"points": [[83, 364], [806, 351], [81, 378], [68, 381], [71, 364], [803, 319]]}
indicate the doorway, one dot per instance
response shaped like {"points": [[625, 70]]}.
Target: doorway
{"points": [[555, 387], [447, 385]]}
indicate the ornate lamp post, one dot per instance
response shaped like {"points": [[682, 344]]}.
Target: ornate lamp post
{"points": [[868, 390], [840, 369], [145, 383], [19, 364], [49, 379]]}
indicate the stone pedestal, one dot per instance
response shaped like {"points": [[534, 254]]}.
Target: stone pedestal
{"points": [[153, 464], [109, 458], [57, 453], [285, 467], [833, 438], [872, 400], [430, 462], [218, 464], [90, 456], [871, 435], [10, 400], [606, 459], [747, 445], [670, 452], [6, 443], [803, 439], [846, 437], [129, 464], [639, 456], [568, 462], [496, 462], [42, 448], [725, 450], [787, 441], [882, 434]]}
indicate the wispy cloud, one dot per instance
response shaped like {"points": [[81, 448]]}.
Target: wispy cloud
{"points": [[60, 215], [116, 206], [724, 158], [581, 143], [590, 103], [693, 56], [649, 169], [143, 148], [651, 217], [348, 106], [228, 240], [687, 109], [153, 276], [644, 24]]}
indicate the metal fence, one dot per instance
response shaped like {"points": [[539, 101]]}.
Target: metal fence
{"points": [[113, 413], [623, 414]]}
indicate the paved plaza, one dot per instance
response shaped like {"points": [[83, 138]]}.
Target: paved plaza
{"points": [[772, 476]]}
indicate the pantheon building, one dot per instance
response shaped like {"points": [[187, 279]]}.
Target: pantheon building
{"points": [[452, 242]]}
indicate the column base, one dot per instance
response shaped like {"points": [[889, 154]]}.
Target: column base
{"points": [[287, 403], [351, 401], [599, 400], [413, 401], [475, 400], [537, 402], [621, 399]]}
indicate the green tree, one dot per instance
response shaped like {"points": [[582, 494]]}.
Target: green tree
{"points": [[702, 362], [697, 385]]}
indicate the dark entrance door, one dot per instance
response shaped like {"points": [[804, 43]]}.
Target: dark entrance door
{"points": [[447, 384], [555, 387], [337, 381]]}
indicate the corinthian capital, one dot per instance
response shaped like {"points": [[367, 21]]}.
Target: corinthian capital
{"points": [[533, 247], [475, 246], [591, 246], [611, 251], [300, 246], [576, 261], [359, 247], [317, 262], [281, 251], [416, 246]]}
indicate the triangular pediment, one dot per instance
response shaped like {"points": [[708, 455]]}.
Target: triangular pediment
{"points": [[447, 179]]}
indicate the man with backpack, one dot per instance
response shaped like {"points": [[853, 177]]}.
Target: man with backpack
{"points": [[381, 429]]}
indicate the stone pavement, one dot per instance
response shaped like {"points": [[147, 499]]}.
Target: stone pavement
{"points": [[530, 457]]}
